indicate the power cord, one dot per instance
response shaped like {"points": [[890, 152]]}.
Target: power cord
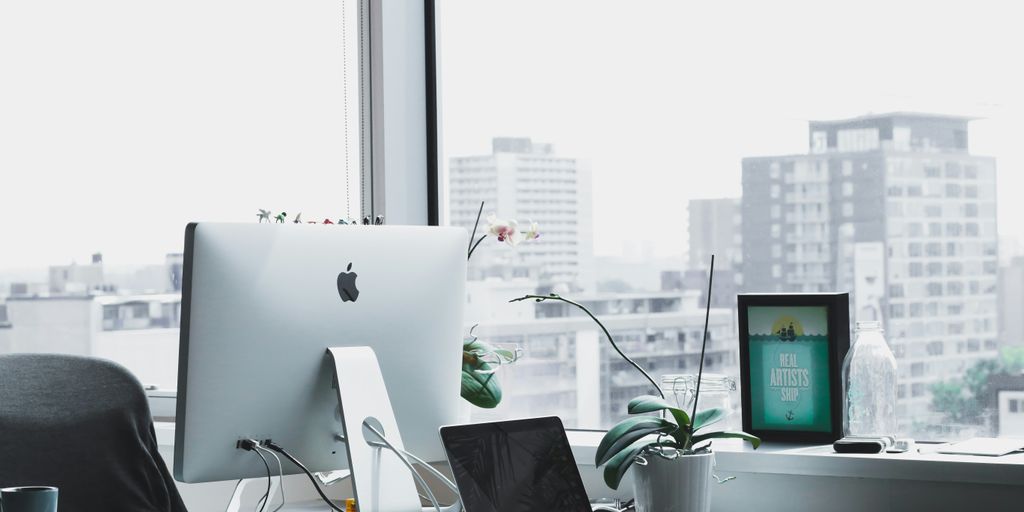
{"points": [[401, 457], [277, 448], [280, 476], [253, 446], [404, 457]]}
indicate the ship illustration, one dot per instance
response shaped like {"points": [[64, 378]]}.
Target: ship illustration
{"points": [[786, 333]]}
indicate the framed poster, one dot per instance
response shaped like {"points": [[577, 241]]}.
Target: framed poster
{"points": [[791, 355]]}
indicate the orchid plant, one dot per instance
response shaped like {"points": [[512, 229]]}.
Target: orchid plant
{"points": [[672, 434], [480, 364], [506, 231], [480, 360]]}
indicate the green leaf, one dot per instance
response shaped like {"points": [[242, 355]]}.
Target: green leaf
{"points": [[707, 417], [617, 465], [480, 389], [475, 345], [650, 403], [505, 354], [647, 403], [754, 440], [627, 432]]}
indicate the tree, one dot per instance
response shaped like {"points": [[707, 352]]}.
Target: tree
{"points": [[967, 400]]}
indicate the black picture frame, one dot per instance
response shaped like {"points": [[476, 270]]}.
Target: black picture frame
{"points": [[838, 336]]}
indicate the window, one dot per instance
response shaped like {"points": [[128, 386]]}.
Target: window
{"points": [[123, 121], [670, 140]]}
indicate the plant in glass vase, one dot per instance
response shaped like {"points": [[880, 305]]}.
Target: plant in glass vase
{"points": [[481, 360], [672, 451]]}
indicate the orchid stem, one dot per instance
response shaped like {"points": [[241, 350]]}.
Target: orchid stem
{"points": [[542, 298], [477, 244], [704, 343], [472, 236]]}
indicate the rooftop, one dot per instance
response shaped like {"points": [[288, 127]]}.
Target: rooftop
{"points": [[923, 116]]}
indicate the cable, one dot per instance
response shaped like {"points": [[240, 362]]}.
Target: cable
{"points": [[399, 454], [415, 475], [437, 474], [266, 494], [274, 446], [280, 480], [236, 498], [280, 476]]}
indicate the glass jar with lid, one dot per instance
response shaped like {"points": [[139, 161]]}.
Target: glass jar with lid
{"points": [[716, 390]]}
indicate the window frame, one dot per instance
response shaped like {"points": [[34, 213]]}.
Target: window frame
{"points": [[401, 132]]}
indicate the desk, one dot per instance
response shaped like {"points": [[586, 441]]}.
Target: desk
{"points": [[813, 478], [797, 478]]}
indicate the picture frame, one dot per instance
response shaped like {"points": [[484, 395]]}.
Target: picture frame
{"points": [[792, 348]]}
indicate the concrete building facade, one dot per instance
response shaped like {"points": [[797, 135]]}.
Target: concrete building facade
{"points": [[894, 209], [528, 181], [140, 332], [570, 369], [715, 227], [1011, 302]]}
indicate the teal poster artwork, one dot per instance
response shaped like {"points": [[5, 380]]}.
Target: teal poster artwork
{"points": [[789, 371]]}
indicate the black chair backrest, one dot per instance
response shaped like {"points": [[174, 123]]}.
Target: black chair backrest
{"points": [[83, 425]]}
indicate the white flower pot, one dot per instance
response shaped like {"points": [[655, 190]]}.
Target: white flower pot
{"points": [[682, 484]]}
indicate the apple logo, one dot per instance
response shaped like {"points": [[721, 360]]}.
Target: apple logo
{"points": [[347, 285]]}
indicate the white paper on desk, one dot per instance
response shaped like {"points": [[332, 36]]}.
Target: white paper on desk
{"points": [[987, 446]]}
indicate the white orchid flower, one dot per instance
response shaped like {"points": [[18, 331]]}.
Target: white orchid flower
{"points": [[505, 231], [532, 233]]}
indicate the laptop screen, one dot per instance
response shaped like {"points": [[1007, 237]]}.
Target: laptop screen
{"points": [[515, 466]]}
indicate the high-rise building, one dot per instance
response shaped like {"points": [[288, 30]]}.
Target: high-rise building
{"points": [[894, 209], [715, 228], [527, 181], [1011, 296]]}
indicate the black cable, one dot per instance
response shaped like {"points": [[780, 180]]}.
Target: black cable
{"points": [[274, 446], [266, 495]]}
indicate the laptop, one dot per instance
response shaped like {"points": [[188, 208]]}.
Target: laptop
{"points": [[515, 466]]}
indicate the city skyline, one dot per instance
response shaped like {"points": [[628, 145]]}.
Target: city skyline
{"points": [[667, 114], [838, 167]]}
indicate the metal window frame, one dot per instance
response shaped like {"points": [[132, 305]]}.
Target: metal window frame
{"points": [[399, 129]]}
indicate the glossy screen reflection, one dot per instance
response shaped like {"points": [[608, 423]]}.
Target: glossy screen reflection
{"points": [[515, 466]]}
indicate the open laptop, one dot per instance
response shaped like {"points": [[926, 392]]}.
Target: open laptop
{"points": [[515, 466]]}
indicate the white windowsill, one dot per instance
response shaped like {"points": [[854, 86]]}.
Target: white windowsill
{"points": [[787, 459], [732, 455]]}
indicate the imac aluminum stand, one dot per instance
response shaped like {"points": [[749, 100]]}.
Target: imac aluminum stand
{"points": [[380, 480]]}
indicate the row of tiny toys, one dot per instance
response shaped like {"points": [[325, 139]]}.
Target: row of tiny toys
{"points": [[264, 215]]}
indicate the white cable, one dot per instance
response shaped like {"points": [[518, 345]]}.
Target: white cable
{"points": [[437, 474], [430, 495], [280, 475], [235, 503], [398, 453]]}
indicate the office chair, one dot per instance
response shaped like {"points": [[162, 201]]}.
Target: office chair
{"points": [[83, 425]]}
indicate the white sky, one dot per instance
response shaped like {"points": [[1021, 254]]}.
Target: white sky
{"points": [[665, 97], [122, 120]]}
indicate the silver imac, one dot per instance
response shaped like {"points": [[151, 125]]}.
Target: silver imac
{"points": [[262, 303]]}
